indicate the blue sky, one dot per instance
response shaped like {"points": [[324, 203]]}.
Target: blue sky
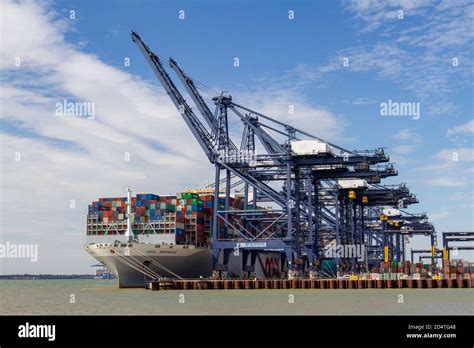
{"points": [[282, 62]]}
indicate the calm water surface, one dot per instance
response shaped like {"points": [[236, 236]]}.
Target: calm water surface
{"points": [[104, 297]]}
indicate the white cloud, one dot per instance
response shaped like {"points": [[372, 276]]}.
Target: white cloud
{"points": [[453, 155], [404, 149], [363, 101], [438, 215], [466, 129], [411, 139], [417, 53], [408, 135], [448, 182], [455, 161], [359, 101], [461, 196]]}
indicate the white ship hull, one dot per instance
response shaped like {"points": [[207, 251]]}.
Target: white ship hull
{"points": [[134, 263]]}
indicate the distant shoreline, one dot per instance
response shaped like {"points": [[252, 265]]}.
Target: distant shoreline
{"points": [[45, 276]]}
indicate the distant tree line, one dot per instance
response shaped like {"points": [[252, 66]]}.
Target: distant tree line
{"points": [[45, 276]]}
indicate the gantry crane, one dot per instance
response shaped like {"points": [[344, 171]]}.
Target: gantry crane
{"points": [[456, 237], [310, 207]]}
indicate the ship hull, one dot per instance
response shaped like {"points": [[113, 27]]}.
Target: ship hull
{"points": [[133, 264]]}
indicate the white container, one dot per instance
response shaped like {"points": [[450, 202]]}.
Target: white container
{"points": [[391, 212], [352, 183], [309, 147], [120, 216], [416, 276]]}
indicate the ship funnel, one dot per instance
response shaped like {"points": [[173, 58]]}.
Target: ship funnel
{"points": [[129, 233]]}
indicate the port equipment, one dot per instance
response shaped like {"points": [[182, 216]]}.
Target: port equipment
{"points": [[438, 253], [421, 257], [456, 237], [318, 195]]}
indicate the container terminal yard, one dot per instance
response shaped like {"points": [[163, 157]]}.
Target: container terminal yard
{"points": [[287, 209]]}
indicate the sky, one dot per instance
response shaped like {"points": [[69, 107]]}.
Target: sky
{"points": [[336, 62]]}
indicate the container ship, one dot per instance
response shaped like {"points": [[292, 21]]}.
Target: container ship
{"points": [[150, 237]]}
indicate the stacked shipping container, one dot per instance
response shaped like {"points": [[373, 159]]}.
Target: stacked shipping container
{"points": [[146, 207], [452, 269], [187, 215], [192, 211]]}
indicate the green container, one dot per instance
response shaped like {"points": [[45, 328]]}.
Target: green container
{"points": [[189, 195]]}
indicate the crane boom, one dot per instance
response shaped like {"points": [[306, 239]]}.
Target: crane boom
{"points": [[198, 99], [193, 92], [205, 139]]}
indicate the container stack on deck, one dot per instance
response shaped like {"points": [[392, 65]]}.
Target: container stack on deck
{"points": [[192, 210], [145, 207], [188, 215]]}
